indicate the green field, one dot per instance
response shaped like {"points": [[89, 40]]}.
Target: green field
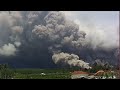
{"points": [[59, 73], [37, 74], [6, 72]]}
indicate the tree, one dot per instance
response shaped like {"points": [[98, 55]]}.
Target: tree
{"points": [[6, 72]]}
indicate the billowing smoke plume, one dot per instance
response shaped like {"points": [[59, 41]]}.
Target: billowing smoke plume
{"points": [[70, 59], [37, 37]]}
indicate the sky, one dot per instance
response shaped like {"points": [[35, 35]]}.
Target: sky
{"points": [[99, 17], [103, 24]]}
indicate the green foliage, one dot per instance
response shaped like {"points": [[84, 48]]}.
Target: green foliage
{"points": [[36, 74], [6, 72], [61, 73], [96, 68]]}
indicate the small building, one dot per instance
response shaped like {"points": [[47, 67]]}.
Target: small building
{"points": [[79, 75], [43, 74]]}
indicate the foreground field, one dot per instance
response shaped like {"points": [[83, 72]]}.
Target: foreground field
{"points": [[59, 73], [41, 74]]}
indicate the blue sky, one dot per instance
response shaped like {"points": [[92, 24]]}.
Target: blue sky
{"points": [[103, 25]]}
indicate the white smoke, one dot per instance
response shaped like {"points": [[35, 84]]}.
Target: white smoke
{"points": [[17, 44], [8, 50], [17, 29], [69, 59], [99, 35]]}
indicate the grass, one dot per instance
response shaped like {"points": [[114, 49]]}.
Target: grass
{"points": [[36, 74]]}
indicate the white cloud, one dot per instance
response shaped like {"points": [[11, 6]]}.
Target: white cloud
{"points": [[8, 50]]}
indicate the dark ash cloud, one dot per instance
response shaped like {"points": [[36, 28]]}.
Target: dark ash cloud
{"points": [[32, 39]]}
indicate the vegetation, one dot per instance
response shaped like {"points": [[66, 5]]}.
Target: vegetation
{"points": [[42, 74], [62, 73], [96, 68], [6, 72]]}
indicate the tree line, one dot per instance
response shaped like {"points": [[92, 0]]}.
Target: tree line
{"points": [[6, 72]]}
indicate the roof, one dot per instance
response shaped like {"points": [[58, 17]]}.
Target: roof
{"points": [[100, 72], [79, 72]]}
